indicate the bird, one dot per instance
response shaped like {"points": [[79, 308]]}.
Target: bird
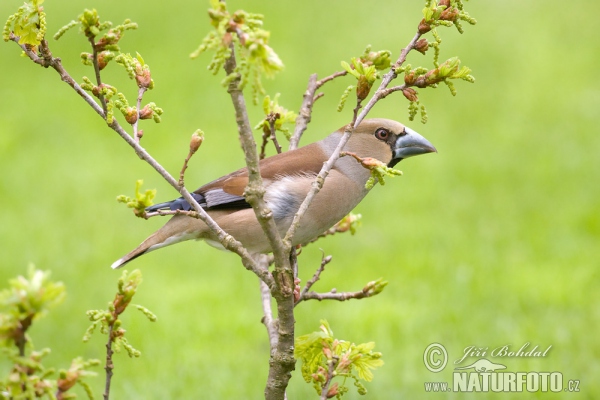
{"points": [[287, 178]]}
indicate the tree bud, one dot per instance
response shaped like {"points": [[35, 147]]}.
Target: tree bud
{"points": [[146, 112], [450, 14], [131, 115], [142, 77], [195, 142], [410, 94], [424, 27], [422, 45]]}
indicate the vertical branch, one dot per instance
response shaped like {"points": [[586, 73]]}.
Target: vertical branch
{"points": [[282, 361], [136, 135], [20, 336], [97, 72], [305, 112], [267, 319], [272, 118], [109, 363]]}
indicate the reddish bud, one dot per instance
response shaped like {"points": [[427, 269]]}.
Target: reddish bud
{"points": [[143, 77], [444, 3], [450, 14], [424, 27], [131, 115], [195, 142], [422, 45], [146, 113], [410, 94], [68, 382], [102, 62], [371, 163], [363, 88], [140, 133], [409, 78], [333, 391]]}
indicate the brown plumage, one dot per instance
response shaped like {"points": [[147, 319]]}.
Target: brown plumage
{"points": [[287, 178]]}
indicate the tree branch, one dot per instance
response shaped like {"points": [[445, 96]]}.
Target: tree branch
{"points": [[228, 241], [309, 98], [315, 278], [330, 369], [334, 295], [97, 72], [109, 366], [136, 133], [282, 360], [387, 78], [305, 112], [267, 319]]}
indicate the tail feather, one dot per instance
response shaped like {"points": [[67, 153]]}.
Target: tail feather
{"points": [[175, 231]]}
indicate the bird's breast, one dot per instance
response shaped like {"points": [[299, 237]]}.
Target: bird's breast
{"points": [[338, 196]]}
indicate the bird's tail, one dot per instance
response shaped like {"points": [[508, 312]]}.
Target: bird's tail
{"points": [[172, 232]]}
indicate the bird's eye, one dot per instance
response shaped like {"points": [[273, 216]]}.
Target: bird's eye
{"points": [[382, 134]]}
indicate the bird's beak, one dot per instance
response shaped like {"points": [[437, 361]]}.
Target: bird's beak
{"points": [[411, 144]]}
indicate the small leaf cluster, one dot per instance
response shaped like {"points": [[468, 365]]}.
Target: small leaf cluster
{"points": [[150, 110], [445, 13], [107, 46], [422, 78], [350, 222], [108, 319], [242, 31], [68, 378], [365, 69], [379, 170], [141, 200], [324, 357], [280, 115], [26, 300], [28, 23], [375, 287]]}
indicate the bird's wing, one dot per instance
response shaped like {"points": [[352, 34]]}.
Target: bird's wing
{"points": [[228, 191]]}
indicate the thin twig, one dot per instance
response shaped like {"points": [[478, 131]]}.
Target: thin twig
{"points": [[267, 319], [272, 118], [315, 278], [136, 134], [109, 363], [20, 336], [331, 77], [332, 364], [184, 167], [309, 98], [333, 294], [97, 72], [305, 112], [263, 145], [318, 96]]}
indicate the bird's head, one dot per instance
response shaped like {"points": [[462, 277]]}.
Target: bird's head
{"points": [[388, 141]]}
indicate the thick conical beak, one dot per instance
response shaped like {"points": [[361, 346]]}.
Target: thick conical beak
{"points": [[411, 144]]}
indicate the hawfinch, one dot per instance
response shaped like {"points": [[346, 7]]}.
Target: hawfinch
{"points": [[287, 178]]}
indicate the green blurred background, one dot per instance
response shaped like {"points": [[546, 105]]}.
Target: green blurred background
{"points": [[492, 241]]}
